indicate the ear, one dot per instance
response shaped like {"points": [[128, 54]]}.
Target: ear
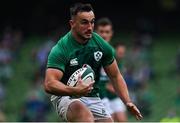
{"points": [[71, 22]]}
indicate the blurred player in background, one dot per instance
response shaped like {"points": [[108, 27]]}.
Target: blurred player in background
{"points": [[111, 101]]}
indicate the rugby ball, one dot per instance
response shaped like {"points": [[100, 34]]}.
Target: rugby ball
{"points": [[86, 73]]}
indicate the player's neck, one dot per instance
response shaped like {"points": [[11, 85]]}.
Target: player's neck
{"points": [[79, 39]]}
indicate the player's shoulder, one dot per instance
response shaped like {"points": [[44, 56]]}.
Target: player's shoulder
{"points": [[97, 37], [63, 40], [62, 43], [104, 44]]}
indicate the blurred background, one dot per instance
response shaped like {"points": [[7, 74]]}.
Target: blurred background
{"points": [[149, 28]]}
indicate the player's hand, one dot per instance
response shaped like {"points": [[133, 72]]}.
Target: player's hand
{"points": [[83, 89], [134, 110]]}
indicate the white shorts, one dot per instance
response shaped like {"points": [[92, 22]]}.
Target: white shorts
{"points": [[117, 105], [95, 105], [106, 103]]}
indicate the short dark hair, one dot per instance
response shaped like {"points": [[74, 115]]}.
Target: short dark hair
{"points": [[103, 22], [80, 7], [119, 43]]}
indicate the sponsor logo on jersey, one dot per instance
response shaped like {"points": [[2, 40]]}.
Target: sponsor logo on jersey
{"points": [[73, 62], [98, 55]]}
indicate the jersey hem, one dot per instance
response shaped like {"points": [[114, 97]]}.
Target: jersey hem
{"points": [[109, 63], [57, 68]]}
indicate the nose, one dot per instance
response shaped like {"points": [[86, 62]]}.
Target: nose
{"points": [[90, 26]]}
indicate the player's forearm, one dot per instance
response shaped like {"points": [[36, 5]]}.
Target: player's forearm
{"points": [[58, 88], [121, 88]]}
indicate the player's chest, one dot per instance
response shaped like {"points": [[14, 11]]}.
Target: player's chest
{"points": [[92, 56]]}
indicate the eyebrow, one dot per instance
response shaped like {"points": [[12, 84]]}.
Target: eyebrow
{"points": [[88, 20]]}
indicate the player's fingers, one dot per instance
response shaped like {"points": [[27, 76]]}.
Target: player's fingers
{"points": [[137, 117], [136, 110], [79, 78], [90, 89], [85, 65], [140, 116], [137, 113], [91, 84]]}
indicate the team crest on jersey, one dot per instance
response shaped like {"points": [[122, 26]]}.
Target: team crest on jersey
{"points": [[73, 62], [98, 55]]}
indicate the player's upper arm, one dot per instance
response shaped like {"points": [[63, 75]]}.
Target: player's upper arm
{"points": [[55, 66], [52, 76], [56, 59], [112, 70]]}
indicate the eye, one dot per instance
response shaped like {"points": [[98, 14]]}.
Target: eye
{"points": [[101, 31], [92, 22], [84, 22], [107, 31]]}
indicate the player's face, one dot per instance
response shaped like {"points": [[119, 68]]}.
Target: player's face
{"points": [[120, 51], [105, 32], [83, 24]]}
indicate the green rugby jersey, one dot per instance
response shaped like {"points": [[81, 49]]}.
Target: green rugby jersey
{"points": [[68, 55]]}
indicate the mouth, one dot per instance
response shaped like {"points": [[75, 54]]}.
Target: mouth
{"points": [[88, 33]]}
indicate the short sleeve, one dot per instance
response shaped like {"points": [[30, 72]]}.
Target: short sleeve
{"points": [[56, 59], [108, 51]]}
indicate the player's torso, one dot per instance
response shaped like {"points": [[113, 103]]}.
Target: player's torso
{"points": [[77, 55]]}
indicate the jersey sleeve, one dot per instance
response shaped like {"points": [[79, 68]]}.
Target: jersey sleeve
{"points": [[56, 59], [108, 52]]}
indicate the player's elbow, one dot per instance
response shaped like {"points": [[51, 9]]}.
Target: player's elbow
{"points": [[47, 86]]}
